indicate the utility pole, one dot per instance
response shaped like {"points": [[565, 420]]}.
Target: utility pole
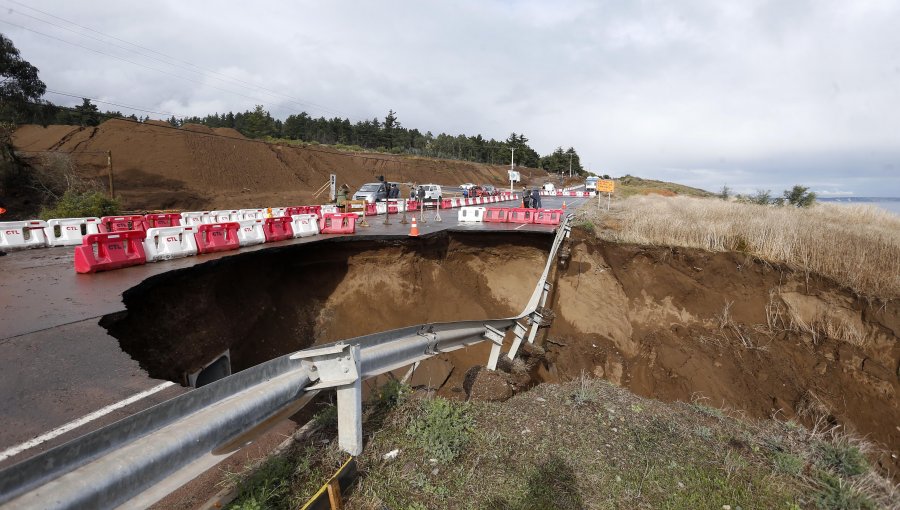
{"points": [[512, 158], [570, 164], [109, 171]]}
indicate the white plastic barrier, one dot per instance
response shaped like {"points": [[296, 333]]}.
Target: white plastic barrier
{"points": [[251, 214], [251, 232], [225, 216], [330, 209], [71, 230], [166, 243], [381, 207], [305, 225], [470, 214], [277, 212], [17, 235], [196, 218], [399, 203]]}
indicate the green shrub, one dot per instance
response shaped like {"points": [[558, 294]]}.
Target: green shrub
{"points": [[838, 494], [787, 463], [392, 393], [78, 205], [442, 429], [844, 458]]}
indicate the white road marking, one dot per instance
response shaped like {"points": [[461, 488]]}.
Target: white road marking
{"points": [[15, 450], [517, 228]]}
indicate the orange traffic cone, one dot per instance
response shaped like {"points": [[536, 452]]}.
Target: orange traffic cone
{"points": [[564, 204], [414, 228]]}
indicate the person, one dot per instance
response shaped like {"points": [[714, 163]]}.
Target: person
{"points": [[526, 198], [465, 192], [421, 194], [536, 198], [412, 192], [395, 191]]}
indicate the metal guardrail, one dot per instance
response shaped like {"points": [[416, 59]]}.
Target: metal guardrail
{"points": [[144, 457]]}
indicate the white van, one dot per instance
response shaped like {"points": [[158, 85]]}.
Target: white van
{"points": [[548, 186], [432, 191]]}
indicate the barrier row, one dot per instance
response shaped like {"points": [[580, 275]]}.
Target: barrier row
{"points": [[510, 215], [114, 250], [71, 231]]}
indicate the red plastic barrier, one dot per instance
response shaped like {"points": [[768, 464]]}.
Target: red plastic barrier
{"points": [[162, 220], [122, 223], [279, 229], [392, 208], [113, 250], [412, 205], [314, 209], [337, 223], [292, 211], [371, 209], [548, 216], [446, 203], [495, 214], [520, 215], [218, 237]]}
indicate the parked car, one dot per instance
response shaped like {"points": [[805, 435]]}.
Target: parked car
{"points": [[432, 191], [372, 192], [548, 186], [467, 185]]}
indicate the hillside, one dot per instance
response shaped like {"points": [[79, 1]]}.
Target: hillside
{"points": [[157, 166]]}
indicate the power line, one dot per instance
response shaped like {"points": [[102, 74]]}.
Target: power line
{"points": [[201, 71], [135, 63], [135, 108]]}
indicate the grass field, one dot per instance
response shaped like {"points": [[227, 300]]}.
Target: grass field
{"points": [[856, 246]]}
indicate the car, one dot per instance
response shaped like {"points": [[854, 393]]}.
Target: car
{"points": [[467, 185], [548, 186], [432, 191], [372, 192]]}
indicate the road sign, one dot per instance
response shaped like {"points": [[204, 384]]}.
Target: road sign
{"points": [[514, 176], [606, 186]]}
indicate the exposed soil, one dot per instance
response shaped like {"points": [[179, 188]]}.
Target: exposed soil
{"points": [[195, 167], [672, 324], [680, 324], [268, 303]]}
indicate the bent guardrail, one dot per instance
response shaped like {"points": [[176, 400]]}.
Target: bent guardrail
{"points": [[143, 457]]}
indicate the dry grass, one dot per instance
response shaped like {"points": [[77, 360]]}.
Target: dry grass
{"points": [[856, 246]]}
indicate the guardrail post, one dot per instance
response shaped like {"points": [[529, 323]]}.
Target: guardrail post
{"points": [[519, 330], [536, 320], [545, 293], [496, 337], [349, 407]]}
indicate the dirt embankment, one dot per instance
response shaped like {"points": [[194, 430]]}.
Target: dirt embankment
{"points": [[195, 167], [681, 324]]}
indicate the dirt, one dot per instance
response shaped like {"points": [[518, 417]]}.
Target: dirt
{"points": [[720, 329], [272, 302], [728, 331], [195, 167]]}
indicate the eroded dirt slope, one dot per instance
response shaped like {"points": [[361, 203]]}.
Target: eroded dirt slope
{"points": [[678, 324], [157, 167]]}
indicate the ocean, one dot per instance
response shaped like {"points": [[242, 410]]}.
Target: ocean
{"points": [[889, 204]]}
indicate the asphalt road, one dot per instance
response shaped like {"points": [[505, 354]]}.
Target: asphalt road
{"points": [[59, 365]]}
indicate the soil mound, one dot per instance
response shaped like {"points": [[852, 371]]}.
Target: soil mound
{"points": [[157, 166]]}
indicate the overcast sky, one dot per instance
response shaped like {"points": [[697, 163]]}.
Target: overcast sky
{"points": [[755, 95]]}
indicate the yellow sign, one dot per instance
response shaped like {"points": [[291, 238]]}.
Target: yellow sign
{"points": [[606, 186]]}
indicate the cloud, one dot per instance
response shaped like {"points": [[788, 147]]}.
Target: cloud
{"points": [[755, 94]]}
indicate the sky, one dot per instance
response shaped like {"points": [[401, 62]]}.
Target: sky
{"points": [[755, 95]]}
